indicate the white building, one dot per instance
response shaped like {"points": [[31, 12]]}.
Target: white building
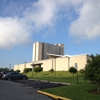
{"points": [[40, 50], [51, 56]]}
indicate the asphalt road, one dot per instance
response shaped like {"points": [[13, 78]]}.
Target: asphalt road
{"points": [[15, 91], [37, 84]]}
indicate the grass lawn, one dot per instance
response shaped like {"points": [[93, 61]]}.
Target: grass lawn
{"points": [[77, 91]]}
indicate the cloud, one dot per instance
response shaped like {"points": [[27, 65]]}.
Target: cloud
{"points": [[42, 13], [13, 32], [87, 26], [18, 25]]}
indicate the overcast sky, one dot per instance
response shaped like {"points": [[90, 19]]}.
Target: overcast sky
{"points": [[74, 23]]}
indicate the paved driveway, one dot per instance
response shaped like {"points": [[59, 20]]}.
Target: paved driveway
{"points": [[36, 84], [16, 91]]}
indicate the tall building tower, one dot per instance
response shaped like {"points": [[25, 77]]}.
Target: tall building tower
{"points": [[40, 50]]}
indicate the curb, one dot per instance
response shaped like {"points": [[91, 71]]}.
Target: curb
{"points": [[53, 96], [53, 82]]}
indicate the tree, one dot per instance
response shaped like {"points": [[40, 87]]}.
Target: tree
{"points": [[18, 71], [82, 71], [92, 70], [38, 69], [4, 69], [73, 70], [51, 70], [26, 70]]}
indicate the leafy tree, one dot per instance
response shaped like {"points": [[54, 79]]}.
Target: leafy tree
{"points": [[51, 70], [92, 70], [73, 70], [4, 69], [26, 70], [38, 69], [11, 70], [18, 71], [82, 71]]}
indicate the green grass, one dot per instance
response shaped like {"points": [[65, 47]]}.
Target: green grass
{"points": [[77, 91]]}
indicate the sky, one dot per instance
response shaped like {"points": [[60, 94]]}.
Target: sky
{"points": [[74, 23]]}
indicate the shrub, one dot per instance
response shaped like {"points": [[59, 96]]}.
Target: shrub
{"points": [[26, 70], [82, 71], [18, 71], [73, 70], [38, 69], [51, 70]]}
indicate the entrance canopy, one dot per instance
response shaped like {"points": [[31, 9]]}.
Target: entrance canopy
{"points": [[34, 64]]}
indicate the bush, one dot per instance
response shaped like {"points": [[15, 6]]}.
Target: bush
{"points": [[26, 70], [4, 69], [38, 69], [51, 70], [18, 71], [72, 70], [82, 71]]}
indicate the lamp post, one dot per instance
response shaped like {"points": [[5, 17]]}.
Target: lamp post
{"points": [[32, 70], [76, 67], [18, 66], [55, 66], [10, 67], [25, 65], [68, 63]]}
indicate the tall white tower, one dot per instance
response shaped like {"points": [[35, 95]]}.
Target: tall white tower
{"points": [[40, 50]]}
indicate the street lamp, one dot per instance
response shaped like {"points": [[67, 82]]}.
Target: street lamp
{"points": [[18, 67], [25, 65], [76, 67], [68, 63], [10, 67], [55, 66], [32, 70]]}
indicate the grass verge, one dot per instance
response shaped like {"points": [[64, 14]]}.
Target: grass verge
{"points": [[78, 91]]}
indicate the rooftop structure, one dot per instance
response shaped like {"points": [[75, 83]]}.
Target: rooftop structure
{"points": [[42, 51]]}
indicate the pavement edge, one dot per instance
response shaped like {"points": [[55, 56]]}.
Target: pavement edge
{"points": [[52, 95]]}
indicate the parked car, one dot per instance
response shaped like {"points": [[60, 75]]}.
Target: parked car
{"points": [[14, 76], [3, 73]]}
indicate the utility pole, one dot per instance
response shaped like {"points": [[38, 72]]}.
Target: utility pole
{"points": [[25, 65], [55, 66], [77, 72], [10, 67], [32, 70]]}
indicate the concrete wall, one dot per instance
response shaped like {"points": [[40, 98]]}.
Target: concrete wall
{"points": [[81, 61], [61, 64], [21, 67], [58, 64]]}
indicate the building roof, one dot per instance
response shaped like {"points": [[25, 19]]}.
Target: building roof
{"points": [[67, 56], [54, 55], [74, 55]]}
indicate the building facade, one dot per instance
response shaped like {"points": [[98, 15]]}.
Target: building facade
{"points": [[40, 50], [51, 56]]}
